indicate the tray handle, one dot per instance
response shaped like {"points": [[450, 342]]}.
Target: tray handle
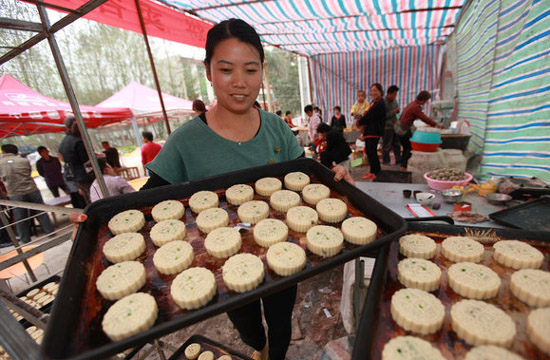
{"points": [[447, 219]]}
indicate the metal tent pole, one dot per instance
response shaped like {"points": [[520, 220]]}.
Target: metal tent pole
{"points": [[153, 68], [72, 99]]}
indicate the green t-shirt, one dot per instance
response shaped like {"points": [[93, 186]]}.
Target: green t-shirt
{"points": [[194, 151]]}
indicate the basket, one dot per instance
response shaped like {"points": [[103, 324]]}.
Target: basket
{"points": [[442, 185]]}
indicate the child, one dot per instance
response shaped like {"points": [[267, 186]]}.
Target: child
{"points": [[360, 107]]}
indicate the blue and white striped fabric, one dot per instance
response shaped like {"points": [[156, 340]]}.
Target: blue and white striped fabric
{"points": [[338, 77], [502, 85], [312, 27]]}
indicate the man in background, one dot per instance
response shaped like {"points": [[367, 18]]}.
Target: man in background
{"points": [[111, 155], [49, 168], [390, 139], [15, 173], [313, 122], [74, 154], [149, 150]]}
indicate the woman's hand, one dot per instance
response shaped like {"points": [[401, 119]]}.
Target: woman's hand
{"points": [[76, 218], [340, 173]]}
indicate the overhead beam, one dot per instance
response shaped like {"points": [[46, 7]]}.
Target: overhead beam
{"points": [[14, 24], [76, 14]]}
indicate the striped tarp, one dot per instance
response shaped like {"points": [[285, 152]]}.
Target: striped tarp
{"points": [[502, 85], [312, 27], [338, 77]]}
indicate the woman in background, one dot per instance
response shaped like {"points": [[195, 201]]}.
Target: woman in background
{"points": [[373, 122]]}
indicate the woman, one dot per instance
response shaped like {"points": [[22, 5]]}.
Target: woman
{"points": [[373, 122], [338, 121], [230, 136], [116, 185]]}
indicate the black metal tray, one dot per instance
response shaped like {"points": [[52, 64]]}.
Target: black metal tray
{"points": [[208, 345], [532, 215], [74, 328], [376, 325], [46, 308]]}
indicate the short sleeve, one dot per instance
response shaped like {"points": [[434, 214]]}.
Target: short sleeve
{"points": [[169, 163]]}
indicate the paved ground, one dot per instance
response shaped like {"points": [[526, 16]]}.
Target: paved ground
{"points": [[316, 320]]}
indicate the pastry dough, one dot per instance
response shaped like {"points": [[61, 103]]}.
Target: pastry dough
{"points": [[417, 311], [480, 323], [419, 273], [203, 200], [282, 200], [124, 247], [324, 240], [253, 211], [417, 246], [538, 328], [239, 194], [223, 242], [410, 348], [296, 180], [461, 248], [192, 351], [359, 230], [166, 231], [286, 258], [130, 315], [270, 231], [491, 352], [243, 272], [267, 186], [473, 281], [332, 210], [313, 193], [173, 257], [532, 286], [207, 355], [301, 218], [517, 254], [211, 219], [126, 221], [168, 209], [121, 279], [193, 288]]}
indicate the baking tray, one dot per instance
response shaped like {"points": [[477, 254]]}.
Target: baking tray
{"points": [[532, 215], [74, 328], [207, 345], [46, 308], [377, 327]]}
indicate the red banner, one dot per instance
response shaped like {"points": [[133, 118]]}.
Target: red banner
{"points": [[160, 21]]}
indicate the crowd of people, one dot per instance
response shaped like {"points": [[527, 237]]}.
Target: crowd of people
{"points": [[376, 119]]}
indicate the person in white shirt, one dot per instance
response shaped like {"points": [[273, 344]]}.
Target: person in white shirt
{"points": [[115, 184]]}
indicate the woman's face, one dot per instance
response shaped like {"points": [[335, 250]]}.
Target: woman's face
{"points": [[375, 94], [235, 71], [336, 111]]}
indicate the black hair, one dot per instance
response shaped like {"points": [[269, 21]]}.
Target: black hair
{"points": [[323, 128], [317, 108], [379, 87], [232, 28], [279, 112], [256, 105], [308, 108], [40, 148], [102, 162], [423, 96], [338, 107], [288, 112], [198, 105], [10, 149], [393, 89], [147, 135]]}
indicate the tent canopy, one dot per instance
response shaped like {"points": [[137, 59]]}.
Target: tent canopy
{"points": [[312, 27], [144, 100], [24, 111]]}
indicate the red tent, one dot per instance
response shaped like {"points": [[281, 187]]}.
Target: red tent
{"points": [[144, 100], [24, 111]]}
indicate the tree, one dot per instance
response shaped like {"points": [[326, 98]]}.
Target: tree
{"points": [[283, 76]]}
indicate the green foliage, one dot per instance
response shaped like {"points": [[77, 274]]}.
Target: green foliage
{"points": [[283, 76]]}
